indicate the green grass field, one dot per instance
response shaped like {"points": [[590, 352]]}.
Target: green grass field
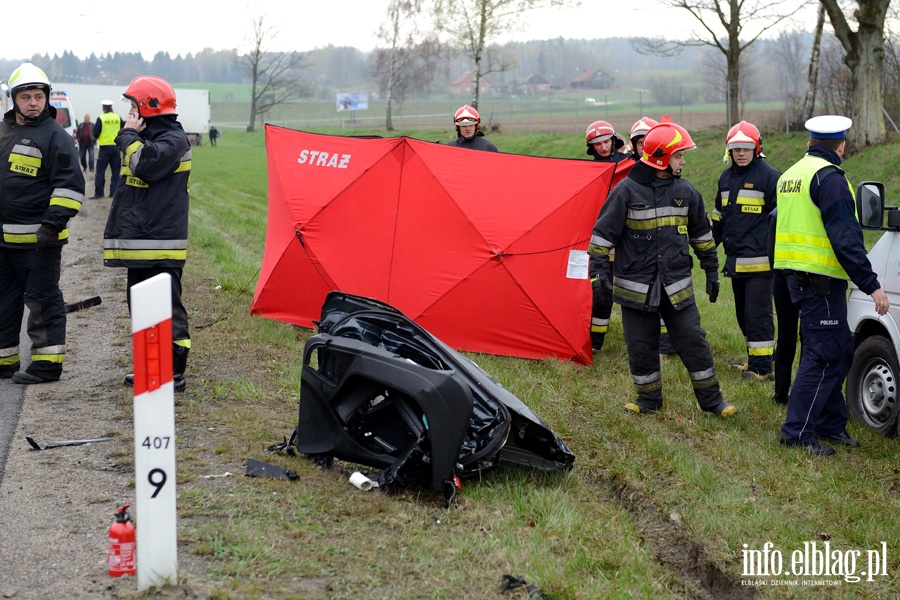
{"points": [[655, 507]]}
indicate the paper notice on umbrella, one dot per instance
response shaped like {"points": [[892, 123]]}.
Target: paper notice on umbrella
{"points": [[578, 265]]}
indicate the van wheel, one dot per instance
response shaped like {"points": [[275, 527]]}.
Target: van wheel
{"points": [[873, 388]]}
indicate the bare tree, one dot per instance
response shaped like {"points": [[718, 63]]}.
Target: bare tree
{"points": [[729, 26], [809, 102], [864, 57], [410, 59], [276, 77], [474, 24]]}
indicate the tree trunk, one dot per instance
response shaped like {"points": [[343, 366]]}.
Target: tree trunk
{"points": [[733, 78], [864, 57], [809, 102], [866, 65], [251, 127]]}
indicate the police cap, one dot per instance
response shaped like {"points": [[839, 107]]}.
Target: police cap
{"points": [[828, 127]]}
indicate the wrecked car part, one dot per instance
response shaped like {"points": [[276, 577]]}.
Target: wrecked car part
{"points": [[56, 443], [258, 468], [378, 390]]}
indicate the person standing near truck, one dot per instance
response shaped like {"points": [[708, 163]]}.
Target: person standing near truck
{"points": [[84, 135], [819, 241], [105, 130]]}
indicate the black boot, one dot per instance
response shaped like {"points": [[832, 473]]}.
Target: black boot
{"points": [[179, 362]]}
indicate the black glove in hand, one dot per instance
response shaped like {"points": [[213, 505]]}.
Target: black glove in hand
{"points": [[47, 237], [712, 286]]}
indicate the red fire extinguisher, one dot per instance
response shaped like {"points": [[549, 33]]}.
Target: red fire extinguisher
{"points": [[121, 545]]}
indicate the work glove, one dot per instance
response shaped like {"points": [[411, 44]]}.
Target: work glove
{"points": [[47, 237], [712, 286]]}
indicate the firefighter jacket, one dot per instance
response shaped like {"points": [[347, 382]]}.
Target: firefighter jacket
{"points": [[615, 157], [476, 142], [817, 230], [40, 180], [744, 199], [651, 222], [148, 220]]}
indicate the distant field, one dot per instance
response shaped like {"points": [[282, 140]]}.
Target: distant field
{"points": [[555, 113]]}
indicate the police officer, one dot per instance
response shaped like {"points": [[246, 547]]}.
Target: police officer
{"points": [[744, 198], [41, 188], [651, 218], [105, 130], [468, 131], [819, 241], [147, 227]]}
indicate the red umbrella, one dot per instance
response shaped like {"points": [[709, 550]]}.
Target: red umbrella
{"points": [[473, 246]]}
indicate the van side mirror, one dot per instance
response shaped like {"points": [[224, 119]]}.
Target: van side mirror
{"points": [[870, 204]]}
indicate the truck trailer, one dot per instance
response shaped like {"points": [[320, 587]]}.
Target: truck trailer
{"points": [[191, 105]]}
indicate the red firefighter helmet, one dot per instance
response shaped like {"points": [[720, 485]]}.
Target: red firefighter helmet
{"points": [[662, 141], [599, 131], [153, 95], [466, 115], [744, 135], [641, 127]]}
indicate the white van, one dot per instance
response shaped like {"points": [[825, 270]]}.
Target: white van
{"points": [[65, 114], [873, 384]]}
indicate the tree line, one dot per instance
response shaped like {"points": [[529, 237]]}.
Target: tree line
{"points": [[424, 48]]}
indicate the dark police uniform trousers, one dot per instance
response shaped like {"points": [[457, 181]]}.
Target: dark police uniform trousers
{"points": [[816, 406]]}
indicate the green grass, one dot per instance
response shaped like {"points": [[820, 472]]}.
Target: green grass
{"points": [[655, 507]]}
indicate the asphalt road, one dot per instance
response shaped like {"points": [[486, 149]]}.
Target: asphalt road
{"points": [[11, 395]]}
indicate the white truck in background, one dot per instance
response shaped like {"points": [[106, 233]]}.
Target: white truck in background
{"points": [[192, 106], [873, 384]]}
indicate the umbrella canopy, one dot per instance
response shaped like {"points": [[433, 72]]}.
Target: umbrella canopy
{"points": [[475, 247]]}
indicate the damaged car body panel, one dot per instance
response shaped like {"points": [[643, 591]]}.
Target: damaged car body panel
{"points": [[379, 390]]}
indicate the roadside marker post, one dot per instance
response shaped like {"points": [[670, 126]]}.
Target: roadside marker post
{"points": [[154, 432]]}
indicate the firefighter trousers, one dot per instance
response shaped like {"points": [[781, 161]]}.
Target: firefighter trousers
{"points": [[642, 339], [753, 307], [816, 406], [31, 278], [180, 334]]}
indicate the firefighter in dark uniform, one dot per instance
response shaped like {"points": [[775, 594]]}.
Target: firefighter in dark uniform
{"points": [[468, 131], [744, 199], [819, 242], [147, 227], [41, 188], [603, 145], [651, 218]]}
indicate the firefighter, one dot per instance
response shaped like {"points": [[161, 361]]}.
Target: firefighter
{"points": [[599, 137], [651, 218], [603, 143], [147, 228], [468, 131], [819, 241], [41, 188], [744, 198], [636, 136]]}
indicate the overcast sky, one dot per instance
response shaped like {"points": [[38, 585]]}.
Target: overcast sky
{"points": [[189, 26]]}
